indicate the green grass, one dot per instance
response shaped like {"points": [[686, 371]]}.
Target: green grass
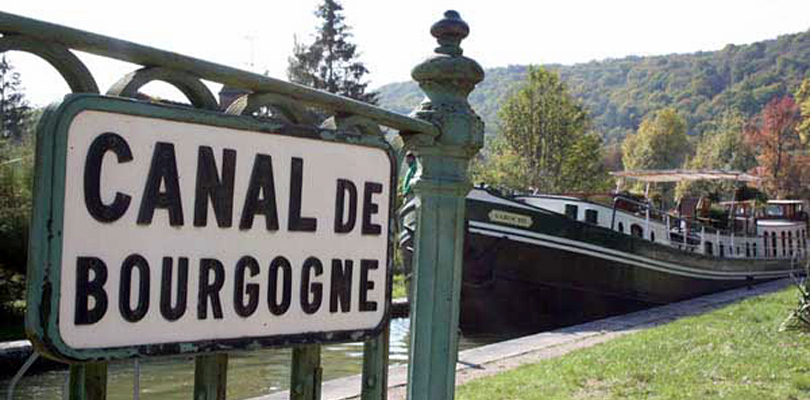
{"points": [[736, 352]]}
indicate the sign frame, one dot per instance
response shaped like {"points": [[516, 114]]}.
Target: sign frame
{"points": [[47, 226]]}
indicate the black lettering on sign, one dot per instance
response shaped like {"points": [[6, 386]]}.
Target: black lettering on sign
{"points": [[340, 291], [279, 264], [295, 222], [210, 290], [370, 208], [86, 288], [210, 186], [366, 285], [163, 170], [240, 289], [166, 310], [307, 288], [261, 195], [103, 143], [134, 261], [344, 187]]}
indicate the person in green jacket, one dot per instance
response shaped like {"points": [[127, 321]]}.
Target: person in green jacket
{"points": [[410, 159]]}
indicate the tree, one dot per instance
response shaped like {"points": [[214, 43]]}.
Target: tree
{"points": [[660, 143], [803, 100], [499, 166], [722, 148], [13, 105], [583, 169], [773, 133], [16, 169], [543, 132], [330, 63], [16, 185]]}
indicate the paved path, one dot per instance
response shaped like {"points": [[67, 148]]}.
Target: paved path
{"points": [[498, 357]]}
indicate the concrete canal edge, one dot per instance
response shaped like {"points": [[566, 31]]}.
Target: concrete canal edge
{"points": [[498, 357]]}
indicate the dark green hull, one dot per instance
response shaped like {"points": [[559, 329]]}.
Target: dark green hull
{"points": [[527, 270]]}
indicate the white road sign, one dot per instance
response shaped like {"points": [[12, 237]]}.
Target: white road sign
{"points": [[180, 232]]}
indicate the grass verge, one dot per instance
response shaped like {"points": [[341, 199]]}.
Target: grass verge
{"points": [[734, 352]]}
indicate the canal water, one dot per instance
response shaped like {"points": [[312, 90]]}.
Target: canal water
{"points": [[250, 374]]}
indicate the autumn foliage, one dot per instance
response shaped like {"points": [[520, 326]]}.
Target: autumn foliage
{"points": [[774, 137]]}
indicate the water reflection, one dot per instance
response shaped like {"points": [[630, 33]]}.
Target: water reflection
{"points": [[250, 374]]}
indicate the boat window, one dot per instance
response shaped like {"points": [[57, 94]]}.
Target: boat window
{"points": [[773, 210], [621, 227], [636, 230], [708, 248], [591, 216], [571, 211]]}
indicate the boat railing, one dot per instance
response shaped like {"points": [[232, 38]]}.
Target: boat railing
{"points": [[694, 235], [697, 235]]}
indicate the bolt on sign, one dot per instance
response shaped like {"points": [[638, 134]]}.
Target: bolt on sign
{"points": [[165, 230]]}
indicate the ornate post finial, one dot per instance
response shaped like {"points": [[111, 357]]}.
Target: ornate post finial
{"points": [[449, 32], [439, 188], [447, 77]]}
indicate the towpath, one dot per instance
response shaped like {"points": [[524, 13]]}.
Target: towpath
{"points": [[498, 357]]}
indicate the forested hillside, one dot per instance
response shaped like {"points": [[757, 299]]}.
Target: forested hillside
{"points": [[618, 93]]}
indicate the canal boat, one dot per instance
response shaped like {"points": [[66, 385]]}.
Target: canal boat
{"points": [[534, 261]]}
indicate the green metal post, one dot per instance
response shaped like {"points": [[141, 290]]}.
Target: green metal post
{"points": [[375, 366], [446, 78], [306, 374], [88, 381], [210, 376]]}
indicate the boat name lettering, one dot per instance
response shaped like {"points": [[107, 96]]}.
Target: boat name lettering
{"points": [[505, 217]]}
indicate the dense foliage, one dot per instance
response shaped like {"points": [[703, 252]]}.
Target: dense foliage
{"points": [[619, 93], [803, 99], [13, 105], [722, 148], [773, 134], [543, 143], [661, 143], [330, 63], [16, 170], [16, 182]]}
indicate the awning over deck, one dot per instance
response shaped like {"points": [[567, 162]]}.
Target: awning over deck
{"points": [[677, 175]]}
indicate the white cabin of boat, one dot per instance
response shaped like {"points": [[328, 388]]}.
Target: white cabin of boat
{"points": [[778, 230]]}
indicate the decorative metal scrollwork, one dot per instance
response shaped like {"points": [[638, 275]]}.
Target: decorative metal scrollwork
{"points": [[283, 107], [192, 87], [73, 70], [353, 124]]}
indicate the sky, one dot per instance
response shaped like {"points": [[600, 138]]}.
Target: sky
{"points": [[393, 35]]}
